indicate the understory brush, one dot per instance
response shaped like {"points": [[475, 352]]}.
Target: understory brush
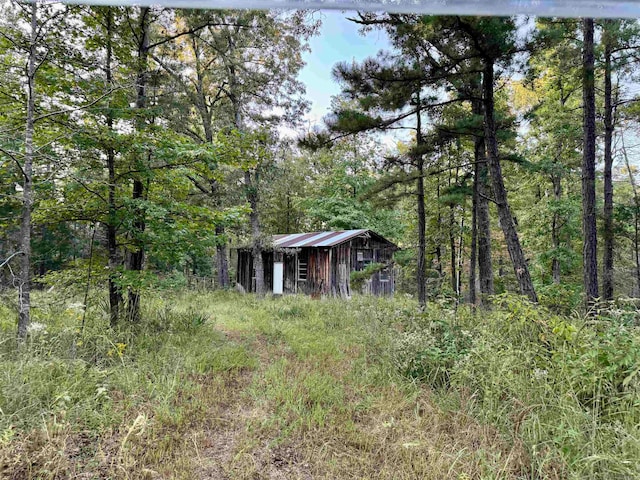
{"points": [[566, 387], [113, 402], [366, 388]]}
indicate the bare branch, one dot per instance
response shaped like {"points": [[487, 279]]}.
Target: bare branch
{"points": [[15, 159]]}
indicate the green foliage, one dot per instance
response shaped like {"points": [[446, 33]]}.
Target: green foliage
{"points": [[93, 384], [562, 387], [358, 277], [565, 298], [428, 348]]}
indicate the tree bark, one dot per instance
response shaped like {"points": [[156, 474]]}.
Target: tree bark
{"points": [[250, 181], [452, 241], [483, 225], [258, 265], [589, 231], [504, 211], [136, 258], [485, 263], [24, 279], [422, 236], [222, 256], [460, 259], [608, 234], [636, 246], [438, 237], [253, 198], [473, 260], [115, 294], [555, 228], [222, 260]]}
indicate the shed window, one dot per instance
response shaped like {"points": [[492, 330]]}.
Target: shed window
{"points": [[384, 275], [364, 255]]}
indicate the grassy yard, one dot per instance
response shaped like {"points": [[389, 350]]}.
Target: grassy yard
{"points": [[220, 385]]}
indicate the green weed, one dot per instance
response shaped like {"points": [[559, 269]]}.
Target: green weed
{"points": [[369, 388]]}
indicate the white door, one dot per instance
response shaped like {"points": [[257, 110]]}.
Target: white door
{"points": [[278, 277]]}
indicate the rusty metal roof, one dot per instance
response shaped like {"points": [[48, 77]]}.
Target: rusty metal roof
{"points": [[318, 239]]}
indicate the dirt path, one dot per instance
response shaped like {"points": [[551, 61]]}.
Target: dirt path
{"points": [[307, 410], [227, 450]]}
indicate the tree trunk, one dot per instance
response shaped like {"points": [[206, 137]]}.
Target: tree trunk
{"points": [[483, 220], [555, 227], [251, 184], [251, 187], [452, 240], [452, 250], [222, 256], [589, 232], [608, 234], [42, 263], [460, 253], [474, 239], [24, 293], [636, 246], [422, 236], [438, 238], [222, 261], [504, 211], [136, 258], [485, 263], [258, 266], [115, 294]]}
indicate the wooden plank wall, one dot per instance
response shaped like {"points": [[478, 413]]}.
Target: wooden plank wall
{"points": [[328, 269], [340, 270], [290, 272], [374, 251], [318, 272]]}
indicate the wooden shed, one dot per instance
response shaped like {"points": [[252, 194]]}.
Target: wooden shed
{"points": [[321, 263]]}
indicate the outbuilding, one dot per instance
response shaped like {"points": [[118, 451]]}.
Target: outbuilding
{"points": [[323, 263]]}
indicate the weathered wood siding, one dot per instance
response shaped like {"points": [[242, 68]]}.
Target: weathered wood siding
{"points": [[321, 271], [340, 270], [365, 251], [318, 281], [290, 272], [244, 270]]}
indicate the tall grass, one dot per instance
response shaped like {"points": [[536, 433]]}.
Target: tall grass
{"points": [[71, 401], [566, 388], [222, 385]]}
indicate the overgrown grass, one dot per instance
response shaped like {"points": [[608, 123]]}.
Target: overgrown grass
{"points": [[220, 385], [72, 401]]}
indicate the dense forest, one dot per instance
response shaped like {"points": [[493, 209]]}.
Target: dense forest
{"points": [[140, 145], [146, 142]]}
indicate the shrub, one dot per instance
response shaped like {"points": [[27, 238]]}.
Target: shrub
{"points": [[428, 348], [563, 299], [564, 386]]}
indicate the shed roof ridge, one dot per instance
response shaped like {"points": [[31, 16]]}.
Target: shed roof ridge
{"points": [[326, 238]]}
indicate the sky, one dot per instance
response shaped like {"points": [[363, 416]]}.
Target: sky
{"points": [[338, 41]]}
